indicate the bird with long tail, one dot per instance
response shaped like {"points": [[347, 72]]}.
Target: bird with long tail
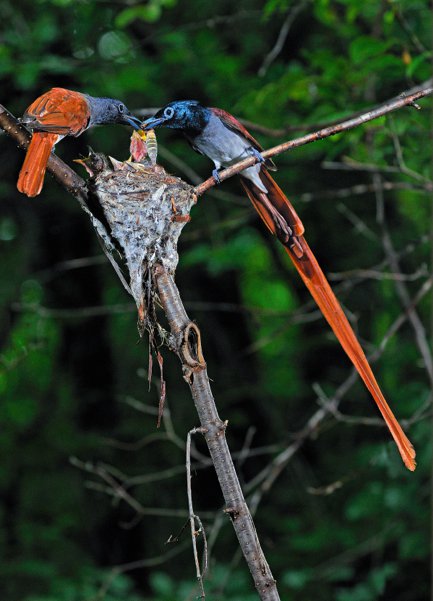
{"points": [[222, 138], [59, 113]]}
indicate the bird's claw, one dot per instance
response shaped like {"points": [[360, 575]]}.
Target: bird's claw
{"points": [[286, 235], [216, 176], [255, 153]]}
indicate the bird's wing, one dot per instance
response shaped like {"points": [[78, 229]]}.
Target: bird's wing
{"points": [[234, 125], [60, 111]]}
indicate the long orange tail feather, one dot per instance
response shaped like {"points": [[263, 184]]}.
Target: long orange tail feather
{"points": [[31, 177], [316, 282]]}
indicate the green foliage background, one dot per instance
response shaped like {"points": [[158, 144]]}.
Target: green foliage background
{"points": [[69, 366]]}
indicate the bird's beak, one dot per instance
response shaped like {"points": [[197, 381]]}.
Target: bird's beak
{"points": [[152, 122], [133, 121]]}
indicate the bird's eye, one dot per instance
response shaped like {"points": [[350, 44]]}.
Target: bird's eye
{"points": [[168, 112], [121, 108]]}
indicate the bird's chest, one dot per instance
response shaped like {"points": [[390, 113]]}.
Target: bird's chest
{"points": [[220, 144]]}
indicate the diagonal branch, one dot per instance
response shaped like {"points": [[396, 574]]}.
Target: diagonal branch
{"points": [[421, 337], [405, 99], [185, 340], [65, 176], [282, 37]]}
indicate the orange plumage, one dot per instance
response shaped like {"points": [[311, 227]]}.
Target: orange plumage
{"points": [[305, 262], [60, 113], [55, 114]]}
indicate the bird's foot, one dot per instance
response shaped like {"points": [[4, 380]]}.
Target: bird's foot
{"points": [[283, 230], [215, 174], [296, 248], [286, 235], [255, 153]]}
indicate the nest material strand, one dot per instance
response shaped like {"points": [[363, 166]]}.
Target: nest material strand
{"points": [[146, 210]]}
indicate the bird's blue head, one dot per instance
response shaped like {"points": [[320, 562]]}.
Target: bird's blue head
{"points": [[187, 115]]}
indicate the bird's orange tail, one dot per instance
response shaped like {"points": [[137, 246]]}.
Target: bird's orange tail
{"points": [[305, 262], [31, 177]]}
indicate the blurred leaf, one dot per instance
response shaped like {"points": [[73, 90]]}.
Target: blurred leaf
{"points": [[367, 47], [419, 65], [115, 46]]}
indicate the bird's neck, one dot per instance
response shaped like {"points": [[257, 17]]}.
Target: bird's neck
{"points": [[196, 122], [98, 109]]}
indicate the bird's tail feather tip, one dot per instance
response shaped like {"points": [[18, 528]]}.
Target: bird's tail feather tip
{"points": [[410, 464], [409, 458], [32, 174]]}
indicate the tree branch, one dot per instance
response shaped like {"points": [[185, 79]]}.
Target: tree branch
{"points": [[186, 343], [200, 571], [404, 99], [67, 178], [282, 37]]}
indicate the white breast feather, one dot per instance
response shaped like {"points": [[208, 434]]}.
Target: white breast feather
{"points": [[224, 147]]}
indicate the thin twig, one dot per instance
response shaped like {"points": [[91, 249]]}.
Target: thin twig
{"points": [[400, 158], [359, 189], [404, 99], [264, 480], [282, 37], [200, 571], [119, 493], [186, 340], [75, 313], [372, 274], [402, 291], [406, 27]]}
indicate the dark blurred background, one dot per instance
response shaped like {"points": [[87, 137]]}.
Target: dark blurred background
{"points": [[344, 519]]}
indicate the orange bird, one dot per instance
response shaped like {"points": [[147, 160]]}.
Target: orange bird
{"points": [[59, 113], [219, 136]]}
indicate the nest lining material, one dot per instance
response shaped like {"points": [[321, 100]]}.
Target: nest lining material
{"points": [[146, 210]]}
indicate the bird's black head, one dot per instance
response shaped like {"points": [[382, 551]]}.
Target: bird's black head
{"points": [[107, 110], [187, 115]]}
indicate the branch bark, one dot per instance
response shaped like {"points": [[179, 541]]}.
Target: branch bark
{"points": [[186, 343], [405, 99], [67, 178]]}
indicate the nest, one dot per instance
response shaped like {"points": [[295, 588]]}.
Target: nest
{"points": [[144, 209]]}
